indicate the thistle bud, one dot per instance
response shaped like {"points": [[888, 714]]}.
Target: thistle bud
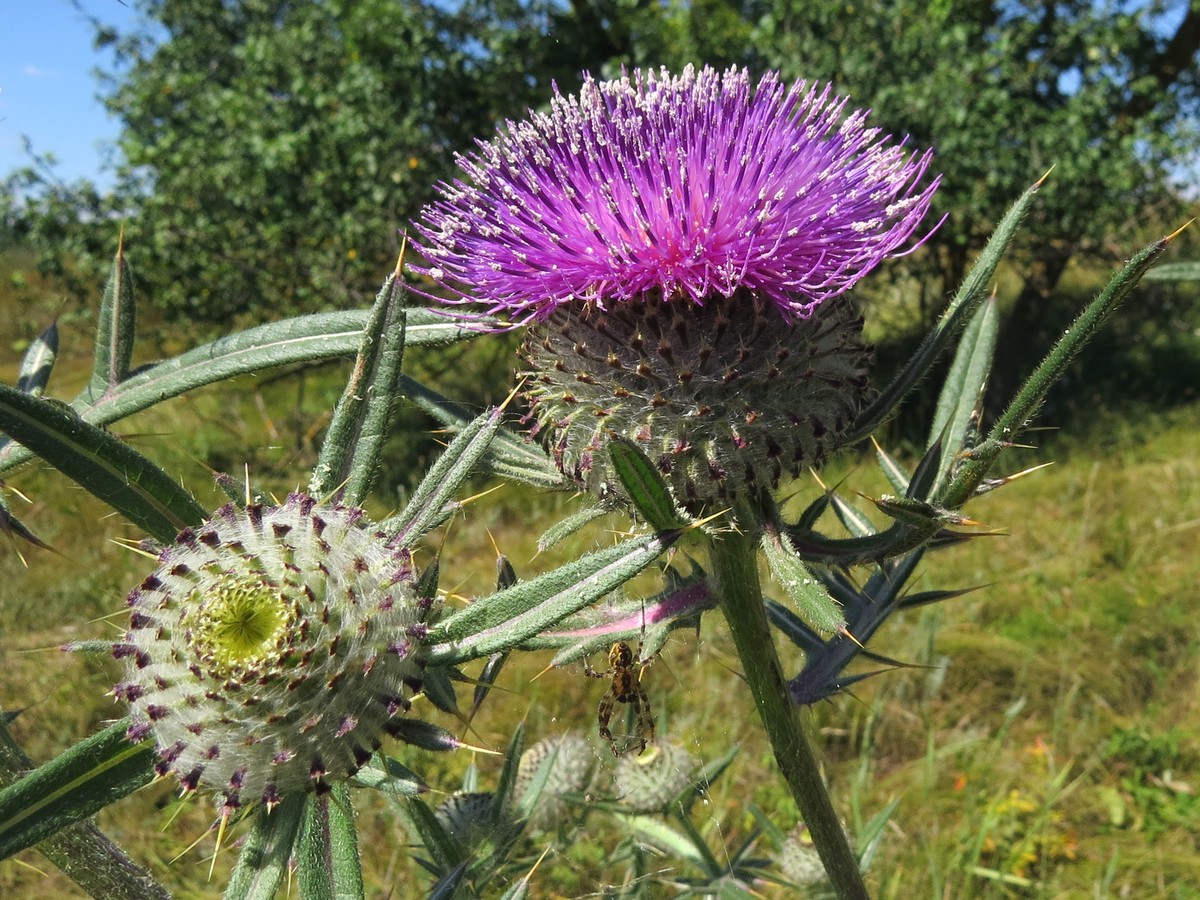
{"points": [[723, 398], [571, 772], [270, 649], [649, 781]]}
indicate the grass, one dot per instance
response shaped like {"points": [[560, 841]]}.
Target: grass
{"points": [[1043, 745]]}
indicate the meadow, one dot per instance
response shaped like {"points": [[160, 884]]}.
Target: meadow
{"points": [[1043, 742]]}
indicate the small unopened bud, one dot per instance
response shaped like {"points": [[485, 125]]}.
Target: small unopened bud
{"points": [[270, 650]]}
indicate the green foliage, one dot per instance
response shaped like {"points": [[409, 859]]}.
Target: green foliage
{"points": [[1150, 795], [269, 153], [1004, 91]]}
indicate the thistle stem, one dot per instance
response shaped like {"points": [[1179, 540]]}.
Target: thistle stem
{"points": [[735, 568]]}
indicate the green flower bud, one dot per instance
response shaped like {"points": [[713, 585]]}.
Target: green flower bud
{"points": [[649, 781], [798, 859], [270, 650], [468, 817], [571, 772]]}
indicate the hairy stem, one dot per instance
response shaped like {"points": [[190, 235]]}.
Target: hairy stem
{"points": [[735, 568]]}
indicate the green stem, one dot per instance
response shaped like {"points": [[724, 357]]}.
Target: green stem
{"points": [[735, 568]]}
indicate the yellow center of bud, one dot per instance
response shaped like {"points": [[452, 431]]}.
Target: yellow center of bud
{"points": [[240, 627]]}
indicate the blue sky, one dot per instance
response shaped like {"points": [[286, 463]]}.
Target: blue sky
{"points": [[47, 91]]}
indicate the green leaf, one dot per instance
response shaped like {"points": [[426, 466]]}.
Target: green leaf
{"points": [[644, 484], [960, 310], [851, 518], [263, 862], [917, 513], [439, 690], [445, 851], [73, 786], [504, 619], [1182, 271], [895, 473], [564, 528], [38, 362], [518, 890], [818, 549], [503, 797], [962, 393], [805, 589], [422, 734], [99, 463], [646, 620], [11, 525], [1024, 406], [509, 456], [350, 453], [327, 852], [676, 845], [115, 328], [303, 339], [432, 500], [81, 851], [389, 776], [447, 886]]}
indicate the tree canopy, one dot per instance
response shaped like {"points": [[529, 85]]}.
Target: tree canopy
{"points": [[271, 149]]}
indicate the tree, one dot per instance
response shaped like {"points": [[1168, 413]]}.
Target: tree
{"points": [[1003, 90], [272, 148]]}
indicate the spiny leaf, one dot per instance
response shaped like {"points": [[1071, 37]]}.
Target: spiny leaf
{"points": [[976, 465], [304, 339], [805, 590], [509, 456], [327, 851], [99, 463], [956, 316], [38, 362], [504, 619], [115, 328], [263, 862], [73, 786], [10, 524], [564, 528], [350, 453], [428, 504], [963, 391], [644, 484]]}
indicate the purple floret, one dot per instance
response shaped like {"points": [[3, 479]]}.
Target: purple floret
{"points": [[695, 185]]}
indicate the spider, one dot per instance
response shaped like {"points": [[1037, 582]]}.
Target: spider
{"points": [[626, 687]]}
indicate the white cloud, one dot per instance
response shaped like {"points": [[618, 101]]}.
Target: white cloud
{"points": [[36, 71]]}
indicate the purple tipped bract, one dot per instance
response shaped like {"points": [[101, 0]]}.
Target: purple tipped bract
{"points": [[686, 186]]}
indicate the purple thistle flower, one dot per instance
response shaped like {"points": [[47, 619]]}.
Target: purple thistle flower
{"points": [[691, 186]]}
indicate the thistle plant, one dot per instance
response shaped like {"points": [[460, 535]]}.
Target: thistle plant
{"points": [[670, 239], [681, 251]]}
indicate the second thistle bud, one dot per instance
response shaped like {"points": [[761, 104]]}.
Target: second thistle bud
{"points": [[271, 648]]}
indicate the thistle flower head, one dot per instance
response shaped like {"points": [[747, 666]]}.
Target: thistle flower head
{"points": [[670, 238], [270, 649], [686, 187]]}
